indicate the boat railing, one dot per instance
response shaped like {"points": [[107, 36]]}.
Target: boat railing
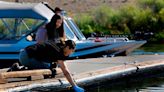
{"points": [[109, 39]]}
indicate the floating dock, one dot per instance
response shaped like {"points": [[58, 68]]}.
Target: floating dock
{"points": [[87, 72]]}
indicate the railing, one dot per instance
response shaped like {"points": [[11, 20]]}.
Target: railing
{"points": [[108, 39]]}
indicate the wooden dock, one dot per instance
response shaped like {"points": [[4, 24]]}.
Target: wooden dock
{"points": [[90, 71], [29, 74]]}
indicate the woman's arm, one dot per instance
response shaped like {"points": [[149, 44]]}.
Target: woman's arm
{"points": [[41, 35], [69, 76], [66, 72], [64, 36]]}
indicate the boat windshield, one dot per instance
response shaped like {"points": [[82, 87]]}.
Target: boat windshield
{"points": [[69, 32], [75, 29], [16, 28]]}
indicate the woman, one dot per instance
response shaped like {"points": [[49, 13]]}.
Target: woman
{"points": [[33, 57], [51, 31]]}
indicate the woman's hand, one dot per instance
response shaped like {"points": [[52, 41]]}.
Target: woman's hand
{"points": [[78, 89]]}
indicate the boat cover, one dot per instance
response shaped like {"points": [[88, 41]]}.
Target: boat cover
{"points": [[25, 10]]}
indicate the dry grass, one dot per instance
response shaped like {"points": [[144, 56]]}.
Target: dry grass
{"points": [[80, 6]]}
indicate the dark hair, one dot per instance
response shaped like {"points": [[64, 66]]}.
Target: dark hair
{"points": [[51, 27], [70, 43], [57, 9]]}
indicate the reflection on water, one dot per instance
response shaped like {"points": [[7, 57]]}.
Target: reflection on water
{"points": [[149, 49], [155, 84], [153, 47]]}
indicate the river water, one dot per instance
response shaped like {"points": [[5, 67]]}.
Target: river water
{"points": [[146, 84], [155, 84], [149, 49]]}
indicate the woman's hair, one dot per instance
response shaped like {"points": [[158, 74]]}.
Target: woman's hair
{"points": [[57, 9], [70, 43], [51, 27]]}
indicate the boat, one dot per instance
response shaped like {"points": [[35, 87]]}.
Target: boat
{"points": [[19, 23]]}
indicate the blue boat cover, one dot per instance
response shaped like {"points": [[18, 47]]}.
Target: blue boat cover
{"points": [[25, 10]]}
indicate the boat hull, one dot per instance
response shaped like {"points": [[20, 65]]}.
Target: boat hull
{"points": [[108, 49]]}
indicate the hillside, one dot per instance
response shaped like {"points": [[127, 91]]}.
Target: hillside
{"points": [[80, 6]]}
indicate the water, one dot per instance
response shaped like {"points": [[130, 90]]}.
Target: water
{"points": [[146, 84], [149, 49]]}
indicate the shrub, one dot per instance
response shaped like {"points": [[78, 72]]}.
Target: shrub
{"points": [[145, 16]]}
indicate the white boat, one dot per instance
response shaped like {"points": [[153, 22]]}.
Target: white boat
{"points": [[18, 21]]}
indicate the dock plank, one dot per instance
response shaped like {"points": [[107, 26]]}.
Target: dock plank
{"points": [[26, 74]]}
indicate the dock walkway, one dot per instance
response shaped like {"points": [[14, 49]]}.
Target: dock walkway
{"points": [[89, 71]]}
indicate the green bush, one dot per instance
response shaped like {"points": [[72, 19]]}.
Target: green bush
{"points": [[101, 16], [145, 16], [161, 14], [85, 23], [155, 5], [159, 36]]}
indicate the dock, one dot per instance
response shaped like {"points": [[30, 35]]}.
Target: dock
{"points": [[87, 72]]}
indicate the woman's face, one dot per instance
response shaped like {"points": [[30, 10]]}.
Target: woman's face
{"points": [[58, 23], [68, 51]]}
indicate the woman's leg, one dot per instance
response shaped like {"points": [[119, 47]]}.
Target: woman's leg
{"points": [[32, 63]]}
